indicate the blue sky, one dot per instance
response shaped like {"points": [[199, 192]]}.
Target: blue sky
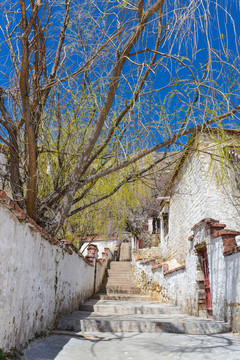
{"points": [[159, 111]]}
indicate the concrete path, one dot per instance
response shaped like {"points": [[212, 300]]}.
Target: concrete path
{"points": [[132, 346]]}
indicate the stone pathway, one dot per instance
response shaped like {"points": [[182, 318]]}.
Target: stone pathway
{"points": [[132, 346], [123, 324], [137, 316]]}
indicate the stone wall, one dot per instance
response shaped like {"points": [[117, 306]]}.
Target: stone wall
{"points": [[41, 278]]}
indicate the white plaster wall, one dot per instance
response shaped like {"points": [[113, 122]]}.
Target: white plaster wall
{"points": [[111, 244], [187, 207], [39, 281], [232, 290], [178, 288], [217, 277], [223, 197], [225, 288], [101, 269], [224, 276], [198, 193]]}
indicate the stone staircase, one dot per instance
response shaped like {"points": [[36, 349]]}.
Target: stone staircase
{"points": [[120, 279], [123, 309]]}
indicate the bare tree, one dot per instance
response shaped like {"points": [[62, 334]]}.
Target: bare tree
{"points": [[91, 88]]}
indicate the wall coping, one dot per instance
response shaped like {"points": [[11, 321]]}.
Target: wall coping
{"points": [[108, 250], [216, 230], [206, 220], [146, 261], [23, 217], [155, 267], [182, 267], [163, 266], [215, 226]]}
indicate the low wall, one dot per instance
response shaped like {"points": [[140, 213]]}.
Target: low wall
{"points": [[176, 286], [224, 268], [184, 285], [101, 245], [41, 278]]}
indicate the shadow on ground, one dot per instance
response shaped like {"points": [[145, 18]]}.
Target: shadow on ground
{"points": [[121, 346]]}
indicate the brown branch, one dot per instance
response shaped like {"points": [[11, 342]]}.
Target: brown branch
{"points": [[131, 178], [61, 40], [171, 140], [122, 57], [131, 103], [140, 9]]}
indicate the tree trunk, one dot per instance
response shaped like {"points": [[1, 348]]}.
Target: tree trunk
{"points": [[15, 177]]}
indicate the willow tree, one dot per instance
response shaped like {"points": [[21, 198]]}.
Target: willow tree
{"points": [[91, 88]]}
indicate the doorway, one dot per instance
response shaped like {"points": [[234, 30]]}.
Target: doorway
{"points": [[204, 263]]}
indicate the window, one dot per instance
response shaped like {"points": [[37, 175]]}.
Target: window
{"points": [[165, 224]]}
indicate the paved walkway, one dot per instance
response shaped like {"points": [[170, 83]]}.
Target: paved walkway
{"points": [[132, 346]]}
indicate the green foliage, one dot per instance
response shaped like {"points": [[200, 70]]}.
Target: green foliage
{"points": [[2, 355], [111, 215]]}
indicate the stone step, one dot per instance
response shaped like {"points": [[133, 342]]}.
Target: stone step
{"points": [[121, 264], [123, 274], [120, 271], [130, 307], [122, 297], [122, 286], [182, 324], [120, 278], [122, 290], [121, 282], [125, 287]]}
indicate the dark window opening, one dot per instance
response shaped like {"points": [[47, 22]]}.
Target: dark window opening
{"points": [[165, 223]]}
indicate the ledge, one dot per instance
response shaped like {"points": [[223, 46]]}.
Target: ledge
{"points": [[206, 220], [155, 267], [229, 232], [215, 226], [182, 267], [147, 261], [214, 229]]}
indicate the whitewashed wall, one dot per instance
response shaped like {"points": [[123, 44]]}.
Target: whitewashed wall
{"points": [[224, 275], [39, 281], [203, 188], [111, 244], [178, 288]]}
